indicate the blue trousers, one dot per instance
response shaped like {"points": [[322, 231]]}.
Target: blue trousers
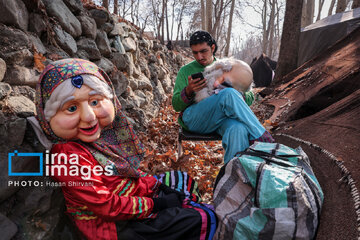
{"points": [[228, 115]]}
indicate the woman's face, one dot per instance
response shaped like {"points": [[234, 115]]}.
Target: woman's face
{"points": [[83, 116]]}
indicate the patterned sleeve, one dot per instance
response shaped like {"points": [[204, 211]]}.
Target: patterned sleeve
{"points": [[124, 198]]}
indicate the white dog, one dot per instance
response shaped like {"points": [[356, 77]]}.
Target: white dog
{"points": [[227, 72]]}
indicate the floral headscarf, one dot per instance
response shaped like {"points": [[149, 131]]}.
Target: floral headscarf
{"points": [[118, 146]]}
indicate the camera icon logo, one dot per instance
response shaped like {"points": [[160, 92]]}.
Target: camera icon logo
{"points": [[18, 155]]}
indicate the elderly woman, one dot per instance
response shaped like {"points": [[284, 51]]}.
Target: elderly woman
{"points": [[95, 158]]}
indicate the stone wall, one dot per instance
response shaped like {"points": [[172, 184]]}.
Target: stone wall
{"points": [[142, 71]]}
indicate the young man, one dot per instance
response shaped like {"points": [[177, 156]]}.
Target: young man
{"points": [[227, 112]]}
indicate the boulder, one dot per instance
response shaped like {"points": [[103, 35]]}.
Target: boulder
{"points": [[120, 82], [144, 43], [65, 41], [102, 43], [75, 6], [12, 40], [129, 44], [55, 53], [133, 84], [140, 98], [8, 228], [20, 57], [37, 24], [15, 131], [166, 83], [123, 62], [2, 69], [101, 16], [25, 91], [67, 20], [90, 47], [157, 46], [106, 65], [19, 75], [179, 59], [21, 106], [14, 13], [144, 67], [5, 90], [82, 54], [118, 45], [117, 30], [88, 26], [39, 46], [107, 27], [144, 83]]}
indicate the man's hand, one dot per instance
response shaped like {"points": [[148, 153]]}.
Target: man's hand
{"points": [[195, 85]]}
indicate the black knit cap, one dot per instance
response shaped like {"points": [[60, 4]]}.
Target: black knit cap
{"points": [[203, 36]]}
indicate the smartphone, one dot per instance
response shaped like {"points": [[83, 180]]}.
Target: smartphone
{"points": [[197, 75]]}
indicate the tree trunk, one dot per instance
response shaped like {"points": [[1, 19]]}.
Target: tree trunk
{"points": [[163, 21], [106, 4], [264, 28], [229, 28], [271, 26], [355, 4], [307, 13], [203, 18], [289, 48], [321, 4], [341, 6], [116, 6], [167, 22], [208, 15], [331, 8]]}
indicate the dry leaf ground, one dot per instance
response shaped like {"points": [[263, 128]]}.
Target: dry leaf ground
{"points": [[201, 160]]}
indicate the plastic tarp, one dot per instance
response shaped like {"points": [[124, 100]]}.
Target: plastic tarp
{"points": [[319, 36]]}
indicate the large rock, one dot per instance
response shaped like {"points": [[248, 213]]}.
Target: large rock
{"points": [[129, 44], [37, 24], [20, 57], [88, 26], [65, 41], [140, 98], [118, 45], [5, 90], [39, 46], [144, 83], [21, 106], [105, 64], [103, 43], [120, 82], [100, 16], [117, 30], [67, 20], [123, 62], [2, 69], [25, 91], [75, 6], [144, 67], [90, 47], [13, 133], [19, 75], [8, 228], [107, 27], [12, 40], [14, 13]]}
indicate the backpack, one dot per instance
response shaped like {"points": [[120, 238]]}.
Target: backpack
{"points": [[267, 192]]}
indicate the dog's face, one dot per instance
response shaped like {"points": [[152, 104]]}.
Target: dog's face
{"points": [[226, 73]]}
